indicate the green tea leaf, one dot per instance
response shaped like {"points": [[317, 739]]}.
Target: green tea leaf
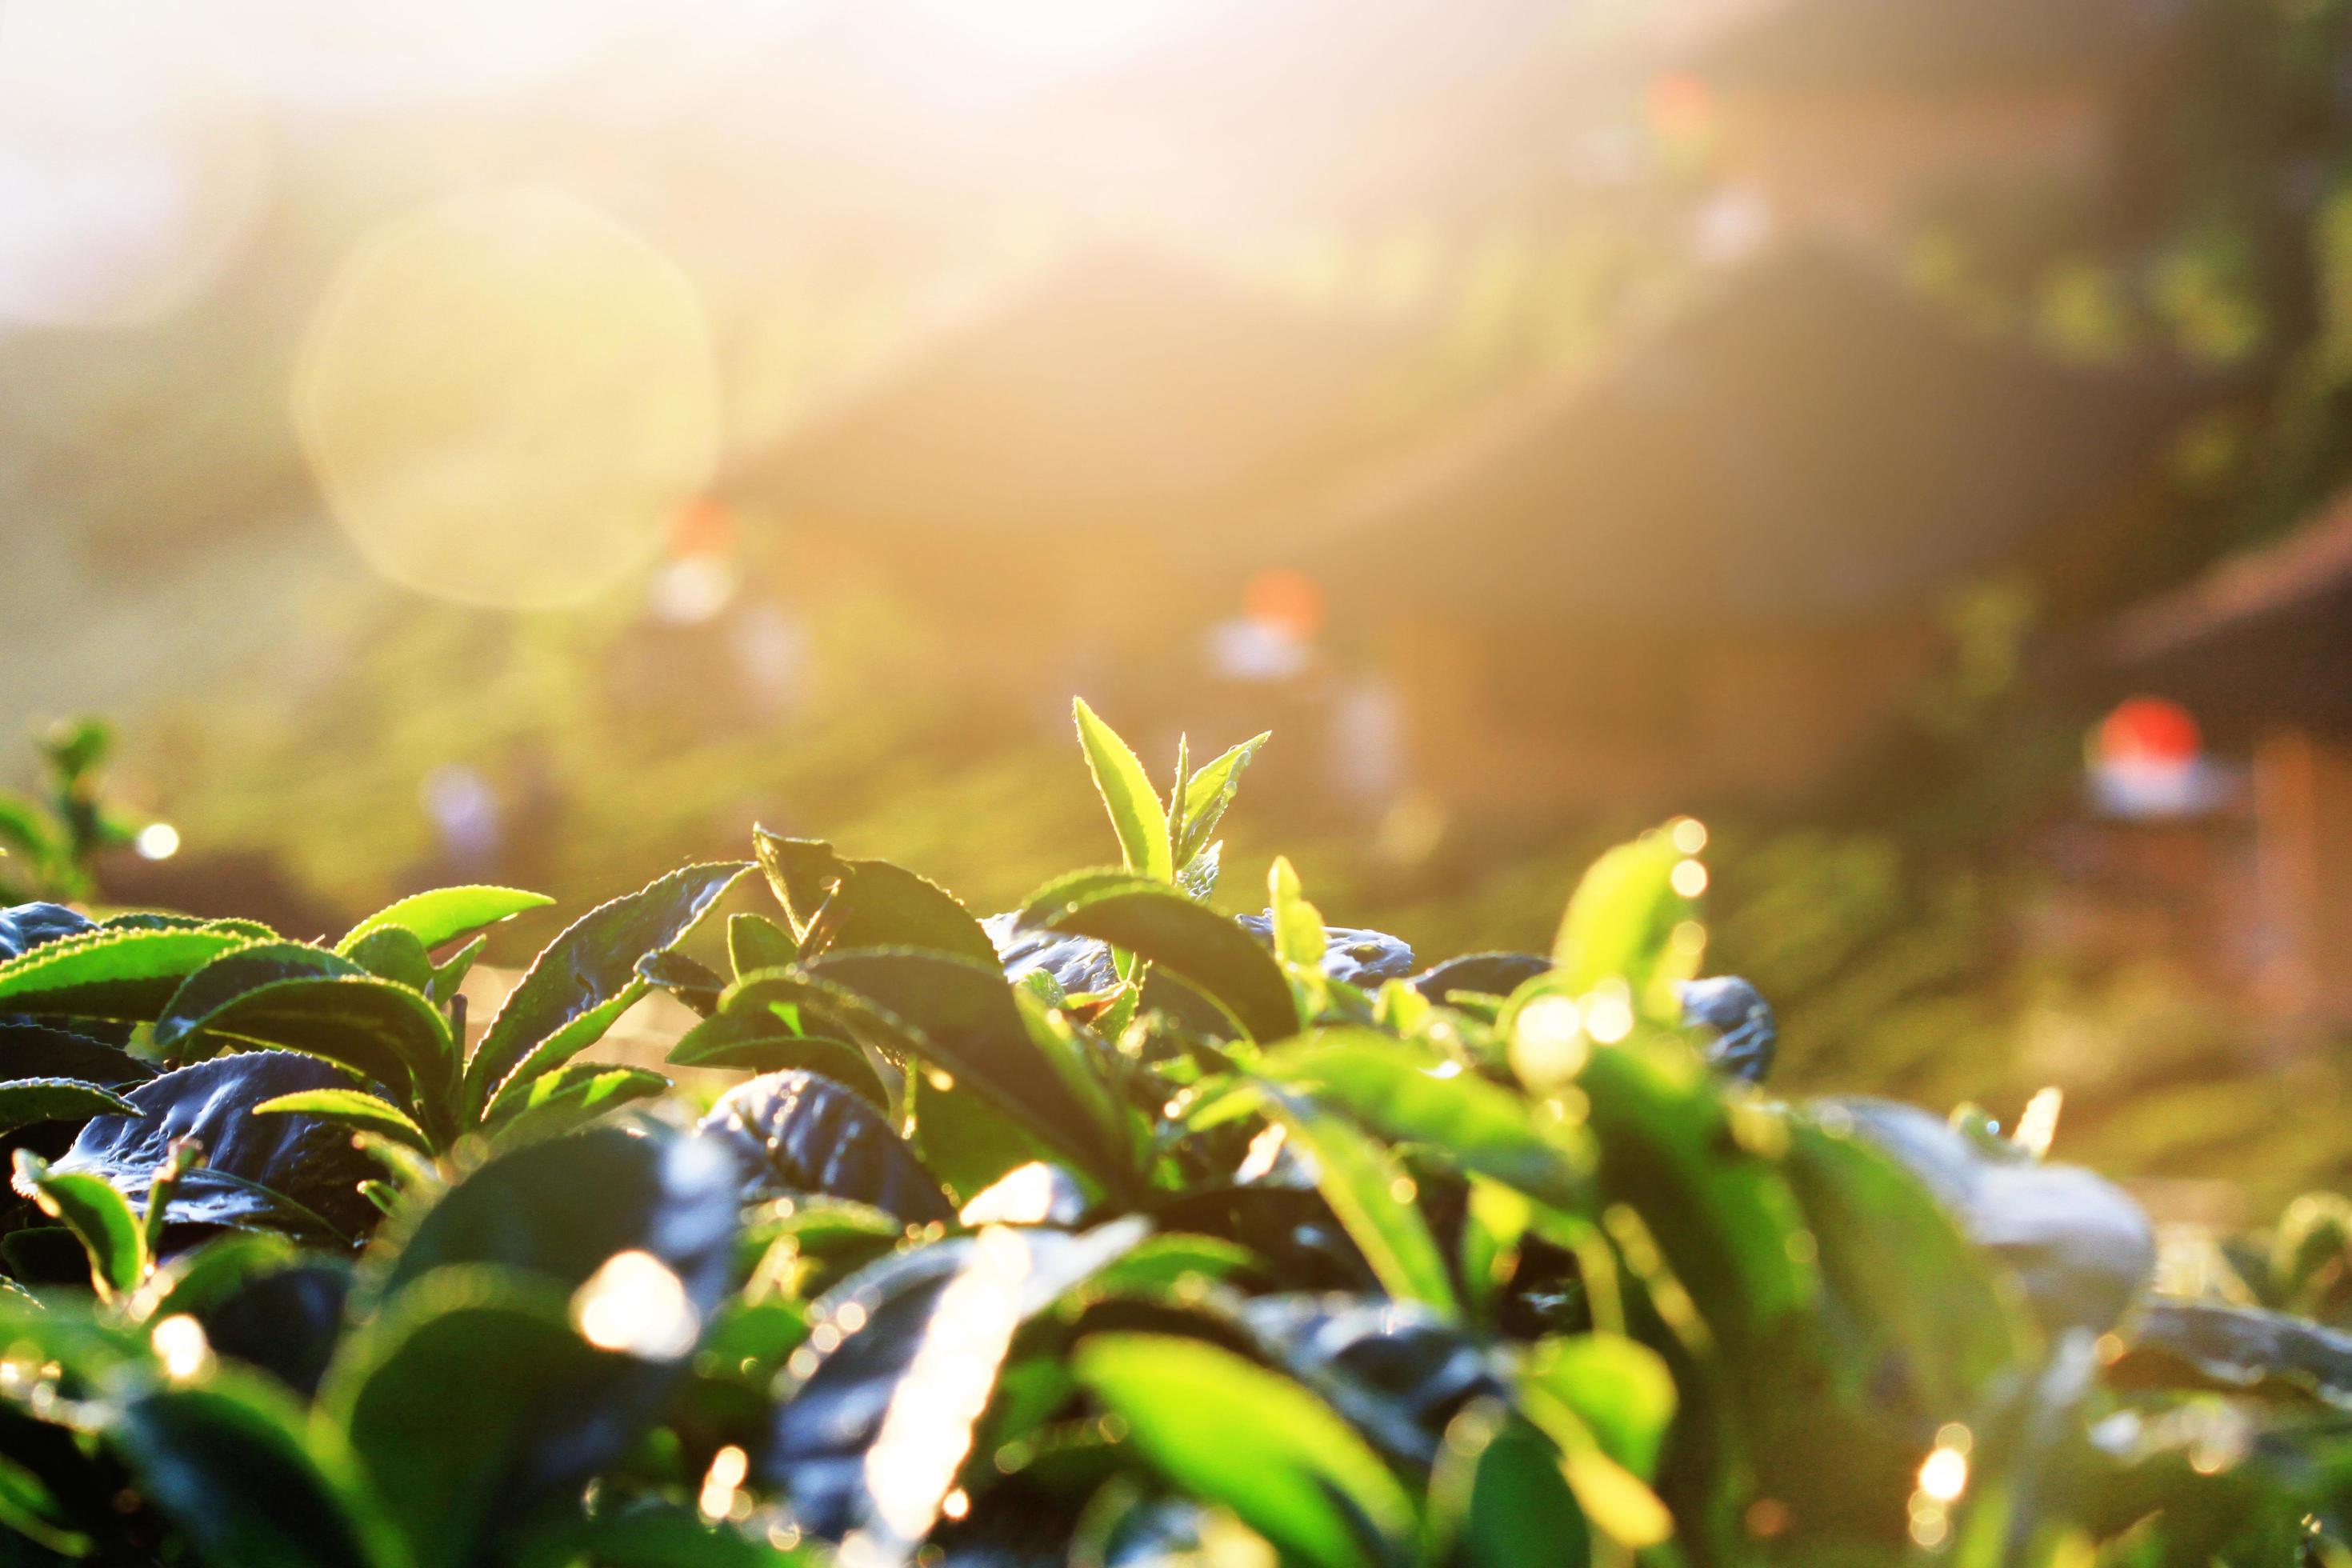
{"points": [[200, 1279], [588, 976], [1207, 795], [1207, 950], [1232, 1433], [693, 983], [755, 942], [26, 1100], [571, 1098], [444, 914], [394, 954], [126, 974], [1298, 925], [449, 974], [1413, 1095], [39, 1050], [97, 1215], [1618, 1502], [1495, 1474], [1373, 1198], [353, 1108], [1136, 814], [1621, 920], [1618, 1388]]}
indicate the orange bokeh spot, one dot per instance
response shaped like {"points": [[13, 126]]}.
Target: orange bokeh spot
{"points": [[701, 527], [1290, 600], [1680, 106], [2146, 730]]}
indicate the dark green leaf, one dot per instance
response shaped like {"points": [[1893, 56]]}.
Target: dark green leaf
{"points": [[29, 1508], [1706, 1178], [655, 1537], [1509, 1474], [795, 1133], [464, 1401], [444, 914], [2083, 1249], [193, 1281], [1917, 1291], [1397, 1371], [1232, 1433], [284, 1321], [758, 1041], [152, 920], [695, 984], [26, 1100], [529, 1209], [886, 1326], [232, 975], [237, 1465], [36, 1050], [587, 977], [2235, 1350], [835, 902], [960, 1018], [380, 1030], [291, 1171]]}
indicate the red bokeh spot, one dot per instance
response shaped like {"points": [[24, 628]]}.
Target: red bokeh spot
{"points": [[2149, 730], [1291, 600]]}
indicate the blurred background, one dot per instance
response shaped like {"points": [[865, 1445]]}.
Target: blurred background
{"points": [[531, 442]]}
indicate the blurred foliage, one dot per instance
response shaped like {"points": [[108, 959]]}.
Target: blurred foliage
{"points": [[52, 839]]}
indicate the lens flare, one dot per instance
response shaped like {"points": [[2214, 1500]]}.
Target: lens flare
{"points": [[507, 397]]}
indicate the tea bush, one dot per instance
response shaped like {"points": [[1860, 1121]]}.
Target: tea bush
{"points": [[1109, 1230]]}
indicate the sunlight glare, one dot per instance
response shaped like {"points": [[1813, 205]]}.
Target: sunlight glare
{"points": [[635, 1304], [927, 1428], [181, 1345], [130, 173]]}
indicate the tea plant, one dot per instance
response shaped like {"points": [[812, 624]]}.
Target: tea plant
{"points": [[1112, 1229]]}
